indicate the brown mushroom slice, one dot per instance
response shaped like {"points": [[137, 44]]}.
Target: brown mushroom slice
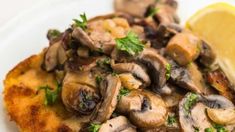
{"points": [[166, 14], [189, 78], [133, 7], [156, 65], [192, 110], [131, 102], [220, 82], [207, 56], [222, 116], [50, 58], [183, 48], [109, 102], [81, 77], [129, 81], [79, 98], [153, 112], [98, 41], [117, 124], [192, 114], [133, 68]]}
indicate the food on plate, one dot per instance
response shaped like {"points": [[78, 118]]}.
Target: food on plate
{"points": [[134, 70]]}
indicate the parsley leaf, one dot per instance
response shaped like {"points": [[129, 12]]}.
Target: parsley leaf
{"points": [[82, 24], [53, 34], [168, 71], [196, 129], [209, 130], [94, 127], [219, 128], [152, 11], [171, 120], [190, 101], [51, 96], [131, 44], [98, 79], [123, 92]]}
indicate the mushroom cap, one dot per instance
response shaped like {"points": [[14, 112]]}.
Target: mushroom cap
{"points": [[222, 116], [108, 105], [81, 77], [192, 110], [79, 98], [50, 57], [133, 7], [156, 65], [133, 68], [152, 114], [117, 124], [131, 102]]}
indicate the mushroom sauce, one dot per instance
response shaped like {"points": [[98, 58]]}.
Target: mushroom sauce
{"points": [[138, 70]]}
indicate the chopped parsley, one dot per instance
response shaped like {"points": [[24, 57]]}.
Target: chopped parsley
{"points": [[94, 127], [82, 24], [168, 71], [123, 92], [196, 129], [220, 128], [53, 34], [130, 44], [190, 101], [209, 130], [98, 79], [152, 11], [51, 96], [171, 120], [114, 73]]}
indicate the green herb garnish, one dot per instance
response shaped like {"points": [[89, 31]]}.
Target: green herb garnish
{"points": [[209, 130], [82, 24], [123, 92], [196, 129], [220, 128], [94, 127], [168, 71], [51, 96], [190, 101], [131, 44], [98, 79], [152, 11], [171, 120], [53, 34]]}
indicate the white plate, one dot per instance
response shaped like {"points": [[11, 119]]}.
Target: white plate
{"points": [[26, 34]]}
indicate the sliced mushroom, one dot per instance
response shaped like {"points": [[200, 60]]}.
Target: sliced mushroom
{"points": [[117, 124], [109, 100], [138, 71], [207, 56], [153, 112], [133, 7], [166, 14], [101, 32], [81, 77], [162, 35], [156, 65], [189, 78], [184, 48], [222, 116], [131, 102], [129, 81], [79, 98], [50, 58], [192, 110]]}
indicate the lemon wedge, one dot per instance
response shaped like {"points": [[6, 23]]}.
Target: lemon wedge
{"points": [[216, 25]]}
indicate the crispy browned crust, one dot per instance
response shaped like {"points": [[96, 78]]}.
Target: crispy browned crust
{"points": [[25, 105]]}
